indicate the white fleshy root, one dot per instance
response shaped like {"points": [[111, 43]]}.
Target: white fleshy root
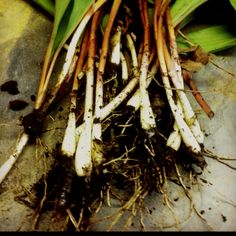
{"points": [[134, 101], [116, 101], [116, 47], [8, 164], [178, 82], [69, 141], [106, 110], [124, 67], [79, 131], [147, 117], [132, 49], [186, 134], [83, 160], [174, 139], [189, 114]]}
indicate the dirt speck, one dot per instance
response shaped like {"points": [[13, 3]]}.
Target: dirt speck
{"points": [[204, 181], [224, 219], [10, 87], [17, 105], [33, 98]]}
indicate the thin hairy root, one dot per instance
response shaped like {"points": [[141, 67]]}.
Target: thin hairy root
{"points": [[132, 216], [210, 153], [190, 198], [100, 203], [72, 218], [211, 59], [167, 200], [126, 207], [119, 213], [143, 227], [219, 159], [119, 158], [108, 198], [80, 217], [38, 212]]}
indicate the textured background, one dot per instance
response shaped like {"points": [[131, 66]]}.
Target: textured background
{"points": [[24, 34]]}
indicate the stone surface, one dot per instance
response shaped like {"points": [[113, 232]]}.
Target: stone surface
{"points": [[24, 34]]}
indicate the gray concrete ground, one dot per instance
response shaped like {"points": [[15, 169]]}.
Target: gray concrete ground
{"points": [[24, 35]]}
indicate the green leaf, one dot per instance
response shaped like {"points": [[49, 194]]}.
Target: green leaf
{"points": [[182, 8], [47, 5], [71, 18], [68, 14], [211, 38], [104, 22], [151, 15], [60, 8], [60, 23], [233, 3]]}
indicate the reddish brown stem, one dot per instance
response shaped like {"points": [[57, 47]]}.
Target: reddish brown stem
{"points": [[199, 98], [103, 58], [153, 54], [144, 11], [82, 55], [92, 43], [140, 53], [79, 67]]}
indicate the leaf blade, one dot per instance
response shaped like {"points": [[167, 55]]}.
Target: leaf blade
{"points": [[233, 3], [212, 38], [182, 8], [71, 19], [47, 5]]}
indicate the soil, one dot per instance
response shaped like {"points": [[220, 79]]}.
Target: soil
{"points": [[17, 105], [10, 87]]}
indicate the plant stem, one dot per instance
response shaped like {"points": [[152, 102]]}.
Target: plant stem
{"points": [[69, 56], [185, 132], [116, 101], [97, 130], [134, 101], [146, 113], [69, 141], [83, 156], [6, 167], [127, 90], [175, 71], [80, 63], [8, 164], [132, 49], [116, 46]]}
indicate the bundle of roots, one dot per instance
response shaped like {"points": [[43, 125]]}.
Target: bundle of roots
{"points": [[130, 127]]}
